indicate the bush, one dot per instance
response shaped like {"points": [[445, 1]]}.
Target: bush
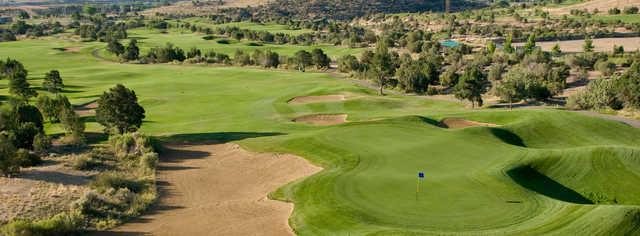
{"points": [[223, 41], [41, 143], [630, 10], [130, 145], [58, 225], [112, 180], [86, 161], [28, 159], [208, 37], [605, 67], [599, 94], [149, 160], [254, 44], [432, 91]]}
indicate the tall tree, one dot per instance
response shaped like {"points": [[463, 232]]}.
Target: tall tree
{"points": [[118, 110], [132, 52], [629, 86], [115, 47], [382, 67], [471, 86], [320, 59], [19, 87], [303, 59], [53, 82]]}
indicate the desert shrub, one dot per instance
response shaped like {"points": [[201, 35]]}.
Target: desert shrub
{"points": [[27, 159], [58, 225], [605, 67], [41, 143], [599, 94], [87, 161], [149, 161], [630, 10], [130, 145], [112, 180], [432, 91]]}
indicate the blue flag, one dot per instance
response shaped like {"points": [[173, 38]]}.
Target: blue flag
{"points": [[421, 175]]}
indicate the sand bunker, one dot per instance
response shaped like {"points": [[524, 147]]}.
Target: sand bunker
{"points": [[314, 99], [72, 49], [87, 109], [457, 123], [322, 119], [219, 189]]}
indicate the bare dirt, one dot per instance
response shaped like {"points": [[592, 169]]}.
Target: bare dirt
{"points": [[457, 123], [219, 189], [316, 99], [601, 44], [87, 109], [41, 192], [322, 119], [601, 5]]}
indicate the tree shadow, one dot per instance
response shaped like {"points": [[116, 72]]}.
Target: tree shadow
{"points": [[431, 121], [218, 137], [533, 180], [55, 177], [507, 136]]}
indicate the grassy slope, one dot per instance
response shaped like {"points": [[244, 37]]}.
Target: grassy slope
{"points": [[186, 40], [369, 182]]}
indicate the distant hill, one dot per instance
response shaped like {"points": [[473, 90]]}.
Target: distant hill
{"points": [[348, 9]]}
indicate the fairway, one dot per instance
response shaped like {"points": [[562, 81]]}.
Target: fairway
{"points": [[530, 172]]}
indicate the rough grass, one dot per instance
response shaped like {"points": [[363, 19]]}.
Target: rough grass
{"points": [[371, 163]]}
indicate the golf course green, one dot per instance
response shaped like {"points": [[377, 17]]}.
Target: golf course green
{"points": [[536, 172]]}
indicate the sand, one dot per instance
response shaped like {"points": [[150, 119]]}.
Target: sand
{"points": [[315, 99], [457, 123], [601, 44], [322, 119], [87, 109], [219, 189], [601, 5]]}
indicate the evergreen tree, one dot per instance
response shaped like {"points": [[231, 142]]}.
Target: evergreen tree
{"points": [[118, 110], [53, 82], [471, 86], [132, 52]]}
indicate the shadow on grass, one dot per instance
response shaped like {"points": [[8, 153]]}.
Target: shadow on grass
{"points": [[535, 181], [507, 136], [218, 137]]}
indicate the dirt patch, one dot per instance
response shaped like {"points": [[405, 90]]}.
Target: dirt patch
{"points": [[601, 44], [219, 189], [322, 119], [88, 109], [41, 192], [315, 99], [457, 123], [601, 5], [72, 49]]}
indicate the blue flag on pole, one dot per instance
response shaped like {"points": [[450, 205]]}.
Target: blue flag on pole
{"points": [[421, 175]]}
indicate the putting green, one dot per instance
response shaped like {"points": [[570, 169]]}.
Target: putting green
{"points": [[538, 172]]}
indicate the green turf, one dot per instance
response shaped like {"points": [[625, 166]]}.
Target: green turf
{"points": [[270, 27], [186, 40], [540, 172]]}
